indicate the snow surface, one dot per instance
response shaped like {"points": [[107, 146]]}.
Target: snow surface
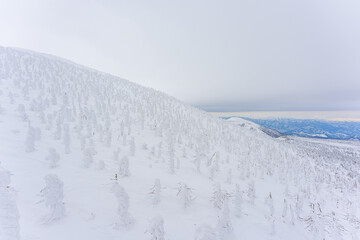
{"points": [[133, 163]]}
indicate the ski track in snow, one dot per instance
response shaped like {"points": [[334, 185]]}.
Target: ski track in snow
{"points": [[163, 139]]}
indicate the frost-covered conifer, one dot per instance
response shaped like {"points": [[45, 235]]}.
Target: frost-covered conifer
{"points": [[197, 161], [210, 160], [184, 152], [53, 198], [49, 122], [125, 220], [185, 194], [37, 133], [42, 117], [108, 139], [171, 152], [124, 170], [292, 215], [53, 158], [156, 229], [152, 152], [270, 214], [124, 139], [132, 147], [177, 163], [299, 206], [335, 228], [101, 165], [9, 214], [87, 157], [30, 139], [155, 192], [116, 155], [58, 132], [11, 98], [159, 154], [224, 223], [238, 201], [205, 232], [229, 176], [82, 142], [67, 139], [144, 146], [219, 196], [285, 210], [251, 192], [270, 203], [22, 113], [122, 128], [314, 222], [212, 171]]}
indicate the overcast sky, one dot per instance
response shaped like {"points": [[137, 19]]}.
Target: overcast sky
{"points": [[218, 55]]}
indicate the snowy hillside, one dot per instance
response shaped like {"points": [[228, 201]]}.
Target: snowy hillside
{"points": [[86, 155]]}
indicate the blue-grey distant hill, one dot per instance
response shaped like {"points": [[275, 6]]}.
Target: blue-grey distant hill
{"points": [[312, 128]]}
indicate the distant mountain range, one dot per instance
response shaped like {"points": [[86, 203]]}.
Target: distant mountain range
{"points": [[312, 128]]}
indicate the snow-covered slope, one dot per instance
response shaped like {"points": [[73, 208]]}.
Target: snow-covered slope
{"points": [[93, 156]]}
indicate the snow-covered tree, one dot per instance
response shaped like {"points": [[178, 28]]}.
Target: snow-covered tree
{"points": [[251, 192], [197, 160], [205, 232], [53, 158], [212, 171], [285, 210], [125, 220], [87, 157], [37, 134], [334, 229], [132, 146], [219, 196], [238, 201], [156, 229], [229, 176], [58, 132], [101, 165], [159, 153], [171, 152], [108, 139], [299, 206], [270, 203], [82, 142], [9, 214], [124, 170], [53, 196], [270, 214], [23, 116], [314, 221], [155, 192], [185, 194], [225, 227], [116, 155], [30, 139], [67, 139]]}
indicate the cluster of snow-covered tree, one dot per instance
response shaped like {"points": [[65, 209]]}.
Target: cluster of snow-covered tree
{"points": [[86, 111]]}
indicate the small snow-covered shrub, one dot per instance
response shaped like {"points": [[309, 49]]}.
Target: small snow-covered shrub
{"points": [[53, 158], [156, 229]]}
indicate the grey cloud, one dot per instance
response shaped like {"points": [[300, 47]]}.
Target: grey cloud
{"points": [[238, 55]]}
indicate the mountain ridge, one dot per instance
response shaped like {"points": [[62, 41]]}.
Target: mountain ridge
{"points": [[132, 162]]}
